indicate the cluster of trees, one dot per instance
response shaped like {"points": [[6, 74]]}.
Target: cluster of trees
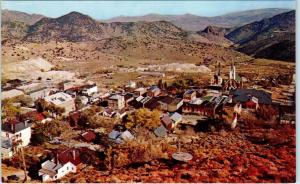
{"points": [[46, 131], [144, 118]]}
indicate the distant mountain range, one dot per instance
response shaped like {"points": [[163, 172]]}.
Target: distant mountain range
{"points": [[191, 22], [267, 38]]}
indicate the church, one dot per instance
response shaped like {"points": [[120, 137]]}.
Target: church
{"points": [[233, 81]]}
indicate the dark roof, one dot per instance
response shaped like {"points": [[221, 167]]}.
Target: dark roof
{"points": [[14, 126], [70, 155], [152, 103], [89, 136], [128, 96], [244, 95]]}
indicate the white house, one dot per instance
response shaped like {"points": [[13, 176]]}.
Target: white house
{"points": [[116, 102], [62, 164], [17, 131], [131, 84], [90, 89], [62, 100]]}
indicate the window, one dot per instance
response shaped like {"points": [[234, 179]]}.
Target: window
{"points": [[67, 168]]}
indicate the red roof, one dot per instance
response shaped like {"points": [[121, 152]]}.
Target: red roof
{"points": [[37, 116], [71, 155], [89, 136]]}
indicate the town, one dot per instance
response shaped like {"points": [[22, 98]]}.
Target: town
{"points": [[54, 130]]}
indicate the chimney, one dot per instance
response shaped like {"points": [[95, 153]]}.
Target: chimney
{"points": [[56, 158], [12, 127], [74, 154]]}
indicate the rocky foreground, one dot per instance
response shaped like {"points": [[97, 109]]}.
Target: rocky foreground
{"points": [[258, 154]]}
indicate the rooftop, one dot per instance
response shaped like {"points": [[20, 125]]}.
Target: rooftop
{"points": [[58, 98], [14, 126]]}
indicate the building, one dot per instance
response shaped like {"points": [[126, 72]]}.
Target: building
{"points": [[15, 131], [62, 100], [89, 90], [116, 102], [164, 103], [217, 79], [176, 118], [288, 119], [153, 91], [140, 91], [120, 137], [234, 81], [88, 136], [189, 95], [208, 107], [131, 84], [63, 163]]}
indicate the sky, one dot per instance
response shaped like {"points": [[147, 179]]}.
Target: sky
{"points": [[109, 9]]}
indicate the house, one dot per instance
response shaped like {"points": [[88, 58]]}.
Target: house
{"points": [[153, 91], [62, 100], [165, 103], [169, 104], [120, 137], [140, 91], [116, 102], [90, 89], [88, 136], [251, 104], [189, 95], [161, 131], [176, 118], [120, 113], [167, 122], [131, 84], [17, 131], [74, 118], [63, 163], [108, 112], [6, 148]]}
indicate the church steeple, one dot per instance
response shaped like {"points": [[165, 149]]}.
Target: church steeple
{"points": [[232, 74]]}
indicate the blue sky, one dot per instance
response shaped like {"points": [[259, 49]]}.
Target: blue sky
{"points": [[109, 9]]}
